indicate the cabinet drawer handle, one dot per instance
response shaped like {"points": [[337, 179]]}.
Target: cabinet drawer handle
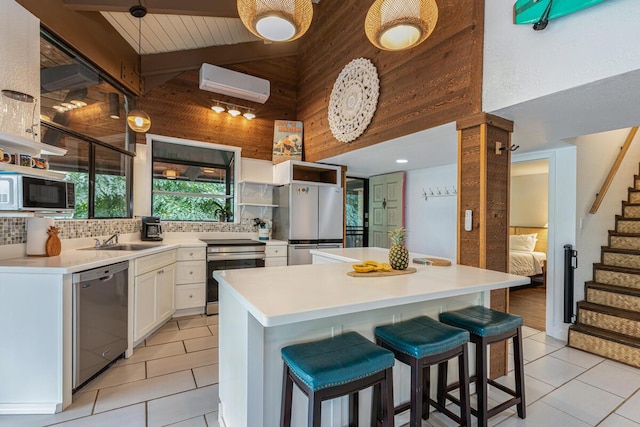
{"points": [[191, 272], [190, 296], [191, 254]]}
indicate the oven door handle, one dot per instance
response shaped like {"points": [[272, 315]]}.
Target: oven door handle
{"points": [[231, 257]]}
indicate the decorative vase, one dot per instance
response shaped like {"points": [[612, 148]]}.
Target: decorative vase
{"points": [[263, 233]]}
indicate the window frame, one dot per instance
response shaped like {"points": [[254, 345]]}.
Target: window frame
{"points": [[130, 136], [92, 168], [237, 151]]}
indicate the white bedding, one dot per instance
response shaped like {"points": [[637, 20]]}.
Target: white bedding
{"points": [[525, 263]]}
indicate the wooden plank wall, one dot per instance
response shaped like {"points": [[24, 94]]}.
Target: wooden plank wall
{"points": [[483, 187], [497, 201], [437, 82], [180, 109]]}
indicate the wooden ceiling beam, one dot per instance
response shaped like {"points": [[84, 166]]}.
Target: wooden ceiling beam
{"points": [[217, 8], [186, 60]]}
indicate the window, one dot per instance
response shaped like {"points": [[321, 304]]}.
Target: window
{"points": [[357, 212], [99, 174], [84, 111], [193, 181]]}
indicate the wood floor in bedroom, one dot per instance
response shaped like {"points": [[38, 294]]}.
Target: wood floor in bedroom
{"points": [[530, 303]]}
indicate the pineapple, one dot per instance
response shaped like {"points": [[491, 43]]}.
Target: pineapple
{"points": [[398, 254]]}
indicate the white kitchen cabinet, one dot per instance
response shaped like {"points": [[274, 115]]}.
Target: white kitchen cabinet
{"points": [[295, 171], [154, 295], [165, 285], [275, 255], [191, 278]]}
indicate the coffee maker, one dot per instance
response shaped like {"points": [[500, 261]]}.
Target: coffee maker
{"points": [[151, 229]]}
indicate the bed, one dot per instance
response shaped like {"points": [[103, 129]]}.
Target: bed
{"points": [[528, 252]]}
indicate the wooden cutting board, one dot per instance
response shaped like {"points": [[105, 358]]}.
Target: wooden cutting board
{"points": [[409, 270], [439, 262]]}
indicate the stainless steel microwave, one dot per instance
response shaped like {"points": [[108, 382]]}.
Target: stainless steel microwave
{"points": [[35, 194]]}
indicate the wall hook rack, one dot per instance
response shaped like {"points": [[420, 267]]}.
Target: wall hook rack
{"points": [[439, 192], [500, 148]]}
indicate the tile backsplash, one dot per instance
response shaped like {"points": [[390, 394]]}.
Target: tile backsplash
{"points": [[13, 231]]}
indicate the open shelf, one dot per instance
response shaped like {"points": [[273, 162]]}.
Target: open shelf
{"points": [[9, 168], [259, 183], [17, 144], [261, 205]]}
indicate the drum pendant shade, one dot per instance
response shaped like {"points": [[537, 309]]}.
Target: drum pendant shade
{"points": [[400, 24], [276, 20]]}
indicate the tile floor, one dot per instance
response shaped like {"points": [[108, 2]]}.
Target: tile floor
{"points": [[566, 388], [173, 380]]}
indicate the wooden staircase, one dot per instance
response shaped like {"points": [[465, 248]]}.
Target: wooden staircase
{"points": [[608, 320]]}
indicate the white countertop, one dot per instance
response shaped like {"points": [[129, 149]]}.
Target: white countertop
{"points": [[358, 254], [324, 290], [74, 260]]}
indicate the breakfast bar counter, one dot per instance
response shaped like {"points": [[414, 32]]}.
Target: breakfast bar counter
{"points": [[263, 310]]}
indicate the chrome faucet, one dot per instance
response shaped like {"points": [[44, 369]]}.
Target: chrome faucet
{"points": [[108, 242]]}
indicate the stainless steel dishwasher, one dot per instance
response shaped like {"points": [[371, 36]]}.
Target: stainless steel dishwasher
{"points": [[100, 298]]}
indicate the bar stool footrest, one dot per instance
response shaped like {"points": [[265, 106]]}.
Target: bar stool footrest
{"points": [[446, 411]]}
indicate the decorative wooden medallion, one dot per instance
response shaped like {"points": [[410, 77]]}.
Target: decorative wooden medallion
{"points": [[354, 99]]}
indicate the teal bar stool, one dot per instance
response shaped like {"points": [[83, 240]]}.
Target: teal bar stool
{"points": [[333, 367], [421, 343], [487, 327]]}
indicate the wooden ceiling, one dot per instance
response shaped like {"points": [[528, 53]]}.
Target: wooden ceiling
{"points": [[176, 36]]}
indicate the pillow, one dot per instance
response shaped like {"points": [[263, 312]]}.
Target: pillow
{"points": [[523, 242]]}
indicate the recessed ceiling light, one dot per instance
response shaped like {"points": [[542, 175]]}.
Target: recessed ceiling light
{"points": [[402, 161]]}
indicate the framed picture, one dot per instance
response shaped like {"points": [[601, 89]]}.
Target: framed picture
{"points": [[287, 141]]}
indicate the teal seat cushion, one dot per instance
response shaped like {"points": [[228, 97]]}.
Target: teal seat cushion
{"points": [[336, 360], [422, 336], [481, 321]]}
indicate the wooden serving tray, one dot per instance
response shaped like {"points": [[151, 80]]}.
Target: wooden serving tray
{"points": [[409, 270]]}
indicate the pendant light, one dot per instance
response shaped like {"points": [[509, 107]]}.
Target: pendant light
{"points": [[276, 20], [400, 24], [137, 119]]}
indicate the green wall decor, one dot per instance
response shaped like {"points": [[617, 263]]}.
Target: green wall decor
{"points": [[538, 12]]}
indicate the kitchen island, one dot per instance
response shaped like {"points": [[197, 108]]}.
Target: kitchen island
{"points": [[262, 310]]}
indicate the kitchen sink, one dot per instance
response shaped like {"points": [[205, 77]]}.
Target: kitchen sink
{"points": [[124, 247]]}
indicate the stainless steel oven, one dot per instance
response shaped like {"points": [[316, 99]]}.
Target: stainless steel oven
{"points": [[230, 254]]}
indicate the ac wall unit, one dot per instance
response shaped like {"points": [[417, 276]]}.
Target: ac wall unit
{"points": [[67, 77], [235, 84]]}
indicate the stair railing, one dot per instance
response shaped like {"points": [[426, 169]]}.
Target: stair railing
{"points": [[613, 171]]}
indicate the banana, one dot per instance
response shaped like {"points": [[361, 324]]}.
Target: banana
{"points": [[371, 262], [361, 268], [385, 266]]}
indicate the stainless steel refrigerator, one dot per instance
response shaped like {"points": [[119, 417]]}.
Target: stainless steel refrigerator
{"points": [[308, 217]]}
